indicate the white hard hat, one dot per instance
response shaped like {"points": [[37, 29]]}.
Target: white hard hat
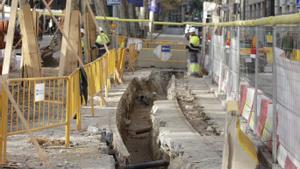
{"points": [[192, 29], [100, 28], [82, 30], [187, 28]]}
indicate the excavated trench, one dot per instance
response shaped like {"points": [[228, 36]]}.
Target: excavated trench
{"points": [[134, 119]]}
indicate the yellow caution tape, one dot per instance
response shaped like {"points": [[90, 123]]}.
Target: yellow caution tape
{"points": [[273, 20]]}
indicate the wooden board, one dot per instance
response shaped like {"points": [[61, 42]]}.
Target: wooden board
{"points": [[36, 21], [10, 37], [64, 44], [90, 36], [75, 40], [30, 48]]}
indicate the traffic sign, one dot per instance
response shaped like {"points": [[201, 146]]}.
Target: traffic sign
{"points": [[137, 3], [298, 4], [113, 2], [166, 49]]}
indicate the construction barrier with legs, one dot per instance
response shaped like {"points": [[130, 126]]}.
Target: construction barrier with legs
{"points": [[51, 102], [259, 67]]}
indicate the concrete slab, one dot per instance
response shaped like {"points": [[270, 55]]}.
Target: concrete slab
{"points": [[205, 97], [184, 144]]}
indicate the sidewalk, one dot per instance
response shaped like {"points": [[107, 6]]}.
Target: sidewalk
{"points": [[192, 131]]}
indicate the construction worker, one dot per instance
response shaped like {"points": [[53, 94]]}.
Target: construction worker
{"points": [[194, 49], [82, 33], [101, 40], [288, 44]]}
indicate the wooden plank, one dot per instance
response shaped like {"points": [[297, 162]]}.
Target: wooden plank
{"points": [[98, 31], [94, 20], [30, 49], [63, 34], [36, 21], [10, 37], [64, 44], [75, 40], [90, 36]]}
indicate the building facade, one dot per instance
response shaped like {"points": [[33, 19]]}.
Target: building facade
{"points": [[246, 9], [181, 14], [285, 7], [257, 9]]}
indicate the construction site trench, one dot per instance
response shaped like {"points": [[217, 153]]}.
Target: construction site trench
{"points": [[146, 124], [135, 123]]}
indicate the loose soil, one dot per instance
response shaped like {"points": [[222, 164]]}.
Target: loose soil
{"points": [[194, 112], [147, 91]]}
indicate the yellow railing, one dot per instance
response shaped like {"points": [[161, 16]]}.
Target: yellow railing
{"points": [[50, 102], [42, 101], [3, 121], [133, 54]]}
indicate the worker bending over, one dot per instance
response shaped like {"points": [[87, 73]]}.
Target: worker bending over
{"points": [[193, 48], [101, 40]]}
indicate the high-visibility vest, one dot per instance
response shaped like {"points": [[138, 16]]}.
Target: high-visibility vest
{"points": [[194, 43], [102, 39], [195, 40]]}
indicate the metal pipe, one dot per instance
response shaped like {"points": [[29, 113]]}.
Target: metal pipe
{"points": [[151, 17], [221, 76], [237, 95], [149, 164], [212, 42], [274, 96], [256, 80], [229, 93]]}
